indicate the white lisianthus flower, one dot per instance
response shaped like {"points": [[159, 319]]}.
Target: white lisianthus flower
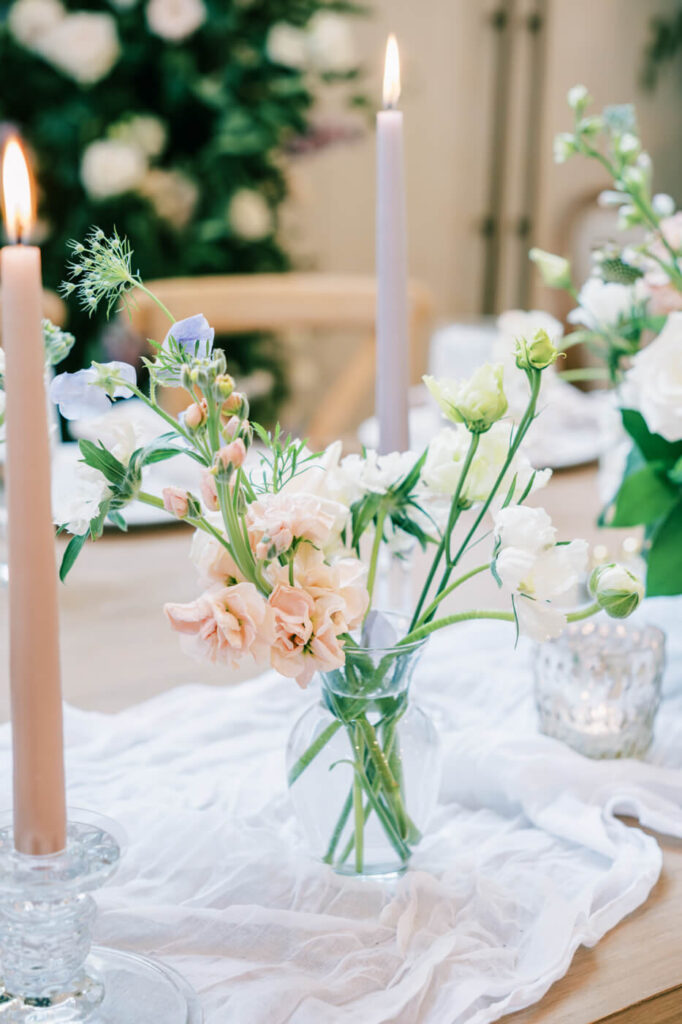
{"points": [[77, 496], [604, 303], [330, 43], [445, 459], [477, 402], [29, 20], [286, 45], [536, 570], [110, 168], [83, 45], [173, 195], [249, 215], [653, 385], [175, 20]]}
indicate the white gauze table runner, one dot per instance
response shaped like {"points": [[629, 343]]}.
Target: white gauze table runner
{"points": [[524, 860]]}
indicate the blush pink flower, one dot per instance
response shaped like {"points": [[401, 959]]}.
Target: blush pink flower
{"points": [[339, 588], [664, 296], [213, 561], [175, 501], [276, 520], [209, 493], [225, 625], [195, 415], [232, 455], [322, 652]]}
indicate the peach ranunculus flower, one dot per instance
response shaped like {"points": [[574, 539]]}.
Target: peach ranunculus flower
{"points": [[225, 625], [306, 641], [274, 521], [212, 560]]}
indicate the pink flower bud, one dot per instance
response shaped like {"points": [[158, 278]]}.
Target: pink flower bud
{"points": [[232, 427], [208, 491], [176, 501], [232, 455], [195, 415], [234, 403]]}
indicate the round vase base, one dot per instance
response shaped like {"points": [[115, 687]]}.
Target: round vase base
{"points": [[375, 872], [118, 988]]}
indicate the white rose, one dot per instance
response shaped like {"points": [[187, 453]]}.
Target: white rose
{"points": [[604, 303], [286, 44], [110, 167], [175, 20], [83, 46], [28, 20], [521, 527], [654, 383], [330, 43], [249, 215], [173, 195]]}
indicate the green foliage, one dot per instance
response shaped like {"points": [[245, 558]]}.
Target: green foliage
{"points": [[665, 43], [227, 110]]}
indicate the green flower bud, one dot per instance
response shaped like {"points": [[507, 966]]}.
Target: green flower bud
{"points": [[578, 98], [536, 354], [564, 147], [555, 270], [478, 402], [616, 589]]}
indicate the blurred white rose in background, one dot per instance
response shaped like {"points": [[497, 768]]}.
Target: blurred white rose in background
{"points": [[146, 131], [83, 46], [330, 44], [654, 384], [110, 167], [28, 20], [175, 20], [173, 195], [286, 44], [604, 303], [249, 215]]}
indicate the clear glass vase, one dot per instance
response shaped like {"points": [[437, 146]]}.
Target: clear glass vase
{"points": [[364, 764]]}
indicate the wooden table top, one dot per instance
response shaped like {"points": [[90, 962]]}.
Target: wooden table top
{"points": [[117, 650]]}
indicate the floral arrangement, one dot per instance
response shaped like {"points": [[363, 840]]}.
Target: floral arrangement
{"points": [[629, 315], [169, 119], [287, 541]]}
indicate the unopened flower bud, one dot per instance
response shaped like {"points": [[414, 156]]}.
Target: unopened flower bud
{"points": [[555, 270], [564, 147], [231, 456], [536, 354], [186, 377], [616, 589], [209, 492], [578, 98], [232, 428], [663, 205], [176, 501], [628, 145], [195, 415], [234, 402], [224, 385], [478, 402]]}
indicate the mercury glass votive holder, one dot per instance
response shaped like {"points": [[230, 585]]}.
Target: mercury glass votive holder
{"points": [[598, 686]]}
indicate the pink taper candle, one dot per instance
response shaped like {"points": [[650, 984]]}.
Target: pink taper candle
{"points": [[392, 365], [36, 700]]}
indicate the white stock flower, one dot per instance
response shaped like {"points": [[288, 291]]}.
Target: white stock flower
{"points": [[77, 494], [175, 20], [249, 215], [28, 20], [285, 44], [445, 458], [654, 383], [330, 43], [536, 570], [173, 195], [604, 303], [83, 45], [110, 167]]}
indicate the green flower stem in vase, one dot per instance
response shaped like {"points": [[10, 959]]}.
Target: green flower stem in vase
{"points": [[363, 763]]}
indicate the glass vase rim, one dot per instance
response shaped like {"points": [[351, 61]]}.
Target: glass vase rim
{"points": [[397, 648], [593, 628]]}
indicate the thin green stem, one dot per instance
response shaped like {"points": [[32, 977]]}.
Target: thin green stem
{"points": [[313, 750], [448, 590], [374, 558], [358, 809], [584, 613], [164, 309]]}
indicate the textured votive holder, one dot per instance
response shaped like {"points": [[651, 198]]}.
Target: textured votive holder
{"points": [[49, 971], [598, 687]]}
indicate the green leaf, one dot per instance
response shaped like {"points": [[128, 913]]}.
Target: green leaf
{"points": [[117, 519], [664, 573], [73, 550], [644, 497], [653, 447], [99, 458]]}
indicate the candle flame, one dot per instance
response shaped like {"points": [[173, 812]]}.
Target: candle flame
{"points": [[17, 191], [392, 73]]}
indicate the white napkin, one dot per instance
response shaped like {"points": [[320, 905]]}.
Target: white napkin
{"points": [[524, 861]]}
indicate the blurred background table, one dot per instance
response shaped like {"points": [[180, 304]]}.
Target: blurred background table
{"points": [[117, 650]]}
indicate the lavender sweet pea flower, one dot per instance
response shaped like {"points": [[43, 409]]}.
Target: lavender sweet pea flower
{"points": [[89, 393], [193, 334]]}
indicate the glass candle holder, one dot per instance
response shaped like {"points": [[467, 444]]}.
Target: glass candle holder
{"points": [[598, 687]]}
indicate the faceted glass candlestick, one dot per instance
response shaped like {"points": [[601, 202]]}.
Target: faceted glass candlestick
{"points": [[598, 687], [49, 972]]}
